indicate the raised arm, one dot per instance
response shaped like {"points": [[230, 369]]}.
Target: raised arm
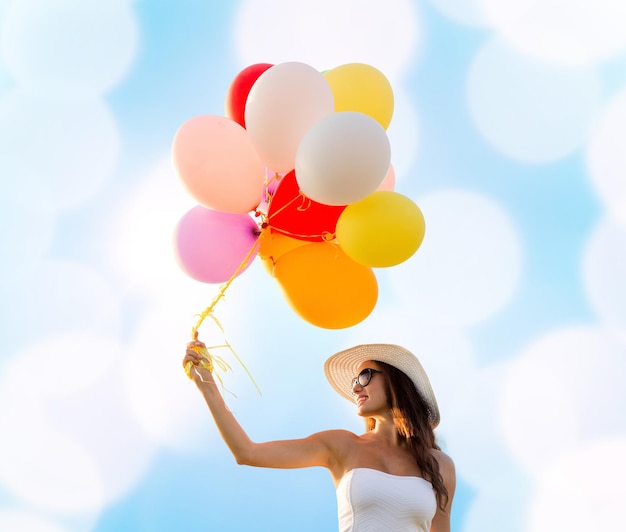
{"points": [[316, 450]]}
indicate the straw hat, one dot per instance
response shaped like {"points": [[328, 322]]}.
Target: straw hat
{"points": [[342, 367]]}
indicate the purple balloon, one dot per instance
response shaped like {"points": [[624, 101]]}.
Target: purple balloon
{"points": [[212, 245]]}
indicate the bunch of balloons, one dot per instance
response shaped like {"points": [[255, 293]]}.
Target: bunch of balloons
{"points": [[299, 173]]}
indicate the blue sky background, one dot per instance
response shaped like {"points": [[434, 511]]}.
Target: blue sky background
{"points": [[508, 132]]}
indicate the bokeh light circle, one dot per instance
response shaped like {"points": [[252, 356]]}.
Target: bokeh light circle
{"points": [[54, 156], [606, 157], [22, 521], [583, 33], [565, 387], [63, 296], [69, 49], [527, 110], [584, 489], [469, 264], [326, 33], [603, 267], [27, 235], [69, 444]]}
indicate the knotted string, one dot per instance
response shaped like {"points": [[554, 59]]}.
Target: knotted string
{"points": [[305, 203], [208, 360]]}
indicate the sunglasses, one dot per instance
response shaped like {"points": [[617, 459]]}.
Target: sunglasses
{"points": [[364, 377]]}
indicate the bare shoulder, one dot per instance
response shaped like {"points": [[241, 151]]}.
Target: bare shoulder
{"points": [[446, 468], [336, 437], [445, 462]]}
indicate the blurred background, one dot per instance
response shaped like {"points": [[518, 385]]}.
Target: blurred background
{"points": [[509, 132]]}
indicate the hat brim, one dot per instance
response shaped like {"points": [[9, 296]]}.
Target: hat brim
{"points": [[341, 368]]}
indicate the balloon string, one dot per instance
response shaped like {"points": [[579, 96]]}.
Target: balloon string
{"points": [[209, 313], [326, 236], [305, 203]]}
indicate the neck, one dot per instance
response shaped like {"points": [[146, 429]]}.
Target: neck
{"points": [[385, 430]]}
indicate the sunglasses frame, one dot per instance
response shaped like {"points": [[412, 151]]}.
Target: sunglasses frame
{"points": [[365, 371]]}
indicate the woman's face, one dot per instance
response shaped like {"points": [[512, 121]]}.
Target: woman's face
{"points": [[368, 388]]}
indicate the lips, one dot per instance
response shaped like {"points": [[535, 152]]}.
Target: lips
{"points": [[361, 399]]}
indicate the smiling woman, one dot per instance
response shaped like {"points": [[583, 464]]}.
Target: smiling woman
{"points": [[392, 477]]}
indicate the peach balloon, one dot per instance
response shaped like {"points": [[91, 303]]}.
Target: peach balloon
{"points": [[218, 164], [389, 183]]}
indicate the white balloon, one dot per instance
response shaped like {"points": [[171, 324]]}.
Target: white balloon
{"points": [[284, 102], [343, 158]]}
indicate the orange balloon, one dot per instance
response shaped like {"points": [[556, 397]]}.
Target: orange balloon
{"points": [[325, 287], [272, 245]]}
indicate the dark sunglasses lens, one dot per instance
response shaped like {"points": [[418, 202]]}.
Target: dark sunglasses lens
{"points": [[365, 377]]}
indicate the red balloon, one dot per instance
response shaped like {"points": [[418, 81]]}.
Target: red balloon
{"points": [[293, 214], [239, 89]]}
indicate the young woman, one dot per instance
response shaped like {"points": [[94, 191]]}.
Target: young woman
{"points": [[392, 477]]}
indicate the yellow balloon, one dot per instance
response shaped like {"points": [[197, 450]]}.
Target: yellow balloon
{"points": [[362, 88], [384, 229], [325, 287]]}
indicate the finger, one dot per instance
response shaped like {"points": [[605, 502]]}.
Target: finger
{"points": [[191, 360], [196, 343]]}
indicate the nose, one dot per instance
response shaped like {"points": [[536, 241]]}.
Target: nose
{"points": [[356, 386]]}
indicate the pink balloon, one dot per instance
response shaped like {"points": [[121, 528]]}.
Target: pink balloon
{"points": [[389, 183], [218, 164], [211, 245]]}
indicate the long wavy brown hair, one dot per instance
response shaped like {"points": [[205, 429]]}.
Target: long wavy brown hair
{"points": [[410, 414]]}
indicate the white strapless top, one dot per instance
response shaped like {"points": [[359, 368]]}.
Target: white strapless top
{"points": [[369, 500]]}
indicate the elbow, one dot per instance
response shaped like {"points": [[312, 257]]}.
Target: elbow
{"points": [[243, 456], [242, 460]]}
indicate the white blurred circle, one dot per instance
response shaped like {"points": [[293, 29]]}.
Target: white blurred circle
{"points": [[603, 267], [65, 365], [22, 521], [499, 505], [606, 157], [326, 33], [55, 155], [27, 234], [577, 32], [139, 234], [584, 489], [50, 470], [484, 13], [63, 296], [467, 12], [69, 49], [566, 388], [527, 110], [403, 133], [162, 399], [469, 265], [473, 432], [69, 431]]}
